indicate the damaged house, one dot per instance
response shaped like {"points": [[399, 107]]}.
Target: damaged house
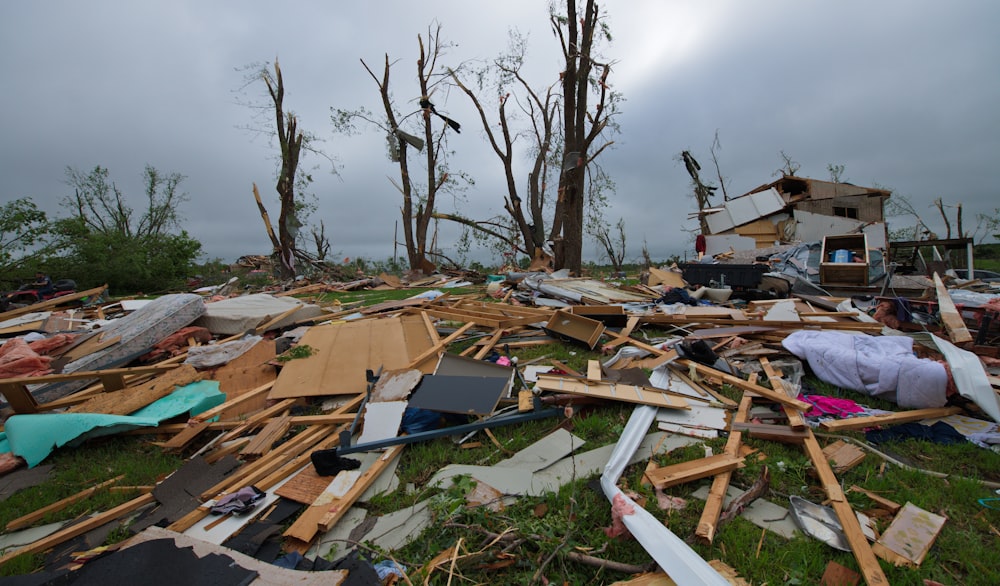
{"points": [[796, 209]]}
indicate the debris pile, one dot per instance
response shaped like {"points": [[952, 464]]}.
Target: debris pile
{"points": [[291, 411]]}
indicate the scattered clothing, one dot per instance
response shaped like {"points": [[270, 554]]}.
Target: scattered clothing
{"points": [[939, 433], [823, 406], [240, 502]]}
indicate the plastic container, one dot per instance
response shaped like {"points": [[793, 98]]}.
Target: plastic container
{"points": [[841, 255]]}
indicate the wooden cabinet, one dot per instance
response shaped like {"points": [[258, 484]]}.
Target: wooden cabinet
{"points": [[844, 260]]}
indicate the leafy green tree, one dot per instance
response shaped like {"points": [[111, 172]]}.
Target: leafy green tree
{"points": [[109, 242], [25, 238]]}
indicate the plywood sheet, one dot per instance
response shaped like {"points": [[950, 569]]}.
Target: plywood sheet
{"points": [[343, 352], [627, 393]]}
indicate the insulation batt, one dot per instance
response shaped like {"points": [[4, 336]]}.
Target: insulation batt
{"points": [[879, 366]]}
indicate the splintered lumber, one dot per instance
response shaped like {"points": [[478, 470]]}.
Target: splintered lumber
{"points": [[950, 315], [439, 346], [712, 322], [258, 419], [129, 400], [720, 484], [852, 423], [331, 506], [54, 302], [275, 429], [843, 456], [622, 336], [795, 420], [186, 436], [667, 476], [777, 397], [777, 433], [80, 528], [724, 400], [891, 506], [608, 390], [264, 472], [32, 518], [16, 391], [248, 396], [863, 553], [490, 315]]}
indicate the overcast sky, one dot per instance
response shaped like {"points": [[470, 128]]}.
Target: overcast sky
{"points": [[905, 94]]}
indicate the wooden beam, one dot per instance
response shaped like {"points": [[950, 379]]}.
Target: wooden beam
{"points": [[795, 420], [614, 391], [950, 315], [80, 528], [667, 476], [863, 553], [745, 385], [777, 433], [720, 484], [852, 423], [440, 346], [49, 304]]}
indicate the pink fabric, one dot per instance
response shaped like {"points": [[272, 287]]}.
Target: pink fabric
{"points": [[831, 406]]}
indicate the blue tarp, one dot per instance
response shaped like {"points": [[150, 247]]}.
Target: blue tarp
{"points": [[34, 436]]}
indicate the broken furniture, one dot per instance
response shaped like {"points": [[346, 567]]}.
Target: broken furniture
{"points": [[844, 260]]}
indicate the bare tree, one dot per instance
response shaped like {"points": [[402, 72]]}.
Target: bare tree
{"points": [[539, 108], [789, 167], [613, 245], [418, 202], [836, 172], [702, 191], [290, 140], [715, 148], [582, 126]]}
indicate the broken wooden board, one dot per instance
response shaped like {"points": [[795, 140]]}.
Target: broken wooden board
{"points": [[616, 392], [843, 456], [776, 433], [852, 423], [863, 553], [778, 397], [129, 400], [489, 315], [910, 536], [795, 420], [950, 315], [667, 476], [274, 430], [343, 352], [662, 277]]}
